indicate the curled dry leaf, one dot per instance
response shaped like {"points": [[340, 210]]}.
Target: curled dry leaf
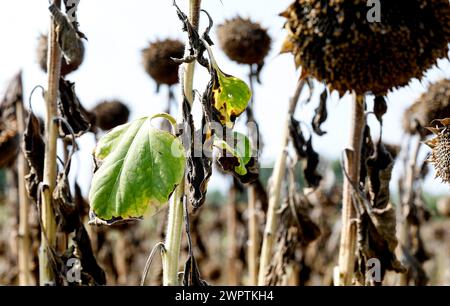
{"points": [[380, 107], [296, 231], [70, 108], [34, 150], [297, 137], [199, 166], [376, 217], [305, 152], [367, 150], [321, 114], [66, 212], [312, 177], [92, 273], [69, 38]]}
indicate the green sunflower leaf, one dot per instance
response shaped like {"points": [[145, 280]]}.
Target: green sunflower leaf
{"points": [[141, 166], [240, 151]]}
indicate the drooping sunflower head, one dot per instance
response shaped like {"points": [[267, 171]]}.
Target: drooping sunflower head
{"points": [[158, 63], [336, 41], [109, 114], [433, 104], [440, 145], [66, 68], [244, 41]]}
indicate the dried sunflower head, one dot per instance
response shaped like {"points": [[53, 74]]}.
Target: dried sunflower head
{"points": [[157, 60], [335, 42], [440, 145], [109, 114], [66, 67], [434, 104], [9, 143], [443, 207], [244, 41]]}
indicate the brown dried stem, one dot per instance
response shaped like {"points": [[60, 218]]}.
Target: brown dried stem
{"points": [[48, 234], [275, 188], [347, 249], [172, 242], [24, 251]]}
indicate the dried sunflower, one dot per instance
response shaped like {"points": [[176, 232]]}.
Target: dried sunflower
{"points": [[9, 143], [109, 114], [440, 145], [434, 104], [157, 60], [244, 41], [66, 68], [335, 42]]}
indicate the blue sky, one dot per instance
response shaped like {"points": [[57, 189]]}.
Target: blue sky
{"points": [[118, 30]]}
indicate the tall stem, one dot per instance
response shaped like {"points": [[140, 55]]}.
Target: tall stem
{"points": [[51, 132], [276, 180], [24, 260], [347, 247], [253, 238], [252, 243], [406, 204], [232, 251], [175, 218]]}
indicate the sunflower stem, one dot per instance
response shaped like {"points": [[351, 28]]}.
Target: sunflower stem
{"points": [[24, 248], [253, 232], [275, 189], [48, 234], [406, 203], [175, 218], [347, 248]]}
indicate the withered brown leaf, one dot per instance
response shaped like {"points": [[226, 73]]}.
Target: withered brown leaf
{"points": [[321, 114], [312, 177], [34, 150], [70, 108]]}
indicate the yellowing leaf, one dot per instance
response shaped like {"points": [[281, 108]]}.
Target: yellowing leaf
{"points": [[231, 96], [141, 166]]}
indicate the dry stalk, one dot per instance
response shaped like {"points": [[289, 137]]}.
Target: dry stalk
{"points": [[51, 134], [175, 219], [275, 188], [347, 248]]}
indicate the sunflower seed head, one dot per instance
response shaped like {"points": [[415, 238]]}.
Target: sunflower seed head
{"points": [[433, 104], [334, 41], [244, 41], [440, 155], [109, 114], [158, 61]]}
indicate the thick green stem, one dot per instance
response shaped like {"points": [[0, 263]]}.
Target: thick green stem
{"points": [[347, 249], [173, 238], [275, 190], [172, 243], [48, 234]]}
